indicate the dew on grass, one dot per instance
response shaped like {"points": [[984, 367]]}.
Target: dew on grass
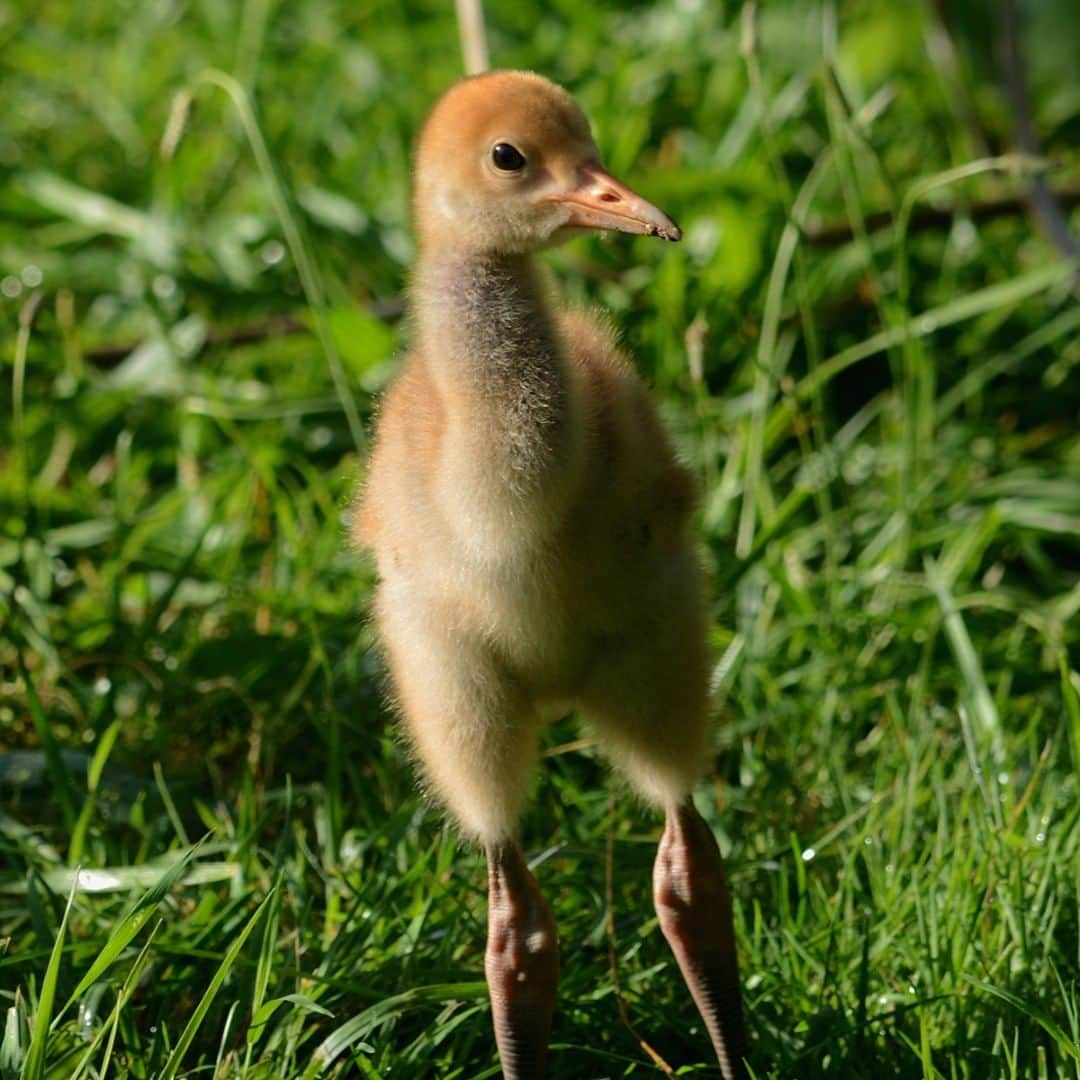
{"points": [[102, 685], [87, 1015], [319, 438], [97, 880], [808, 854], [272, 252]]}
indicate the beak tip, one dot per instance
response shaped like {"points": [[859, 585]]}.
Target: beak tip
{"points": [[670, 232]]}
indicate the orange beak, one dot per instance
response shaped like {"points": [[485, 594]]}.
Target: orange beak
{"points": [[601, 202]]}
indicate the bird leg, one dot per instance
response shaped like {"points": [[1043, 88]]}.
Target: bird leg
{"points": [[692, 901], [521, 963]]}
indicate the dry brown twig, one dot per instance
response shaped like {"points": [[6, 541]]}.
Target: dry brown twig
{"points": [[613, 959], [474, 48]]}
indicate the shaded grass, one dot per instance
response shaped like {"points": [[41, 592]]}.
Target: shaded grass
{"points": [[888, 434]]}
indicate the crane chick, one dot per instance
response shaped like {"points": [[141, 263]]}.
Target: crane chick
{"points": [[529, 522]]}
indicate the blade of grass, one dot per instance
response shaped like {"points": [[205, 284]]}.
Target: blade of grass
{"points": [[1072, 708], [352, 1031], [992, 298], [130, 984], [306, 267], [1063, 325], [766, 372], [263, 968], [34, 1069], [170, 806], [62, 785], [18, 388], [1066, 1045], [975, 690], [93, 778], [918, 374], [122, 878], [175, 1059], [132, 922]]}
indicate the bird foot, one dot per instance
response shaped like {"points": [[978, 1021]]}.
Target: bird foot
{"points": [[521, 964], [692, 901]]}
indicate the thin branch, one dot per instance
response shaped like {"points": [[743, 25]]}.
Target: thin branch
{"points": [[833, 234], [18, 385], [109, 355], [613, 958], [1045, 206]]}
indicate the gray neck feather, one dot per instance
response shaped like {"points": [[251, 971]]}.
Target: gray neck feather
{"points": [[486, 330]]}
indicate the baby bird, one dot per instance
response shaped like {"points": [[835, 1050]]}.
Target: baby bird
{"points": [[528, 519]]}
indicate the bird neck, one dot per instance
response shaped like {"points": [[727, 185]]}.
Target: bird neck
{"points": [[485, 327]]}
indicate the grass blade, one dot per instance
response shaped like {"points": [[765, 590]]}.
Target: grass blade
{"points": [[992, 298], [61, 779], [978, 694], [306, 267], [352, 1031], [93, 778], [1066, 1045], [129, 986], [1072, 708], [133, 921], [34, 1069], [191, 1029]]}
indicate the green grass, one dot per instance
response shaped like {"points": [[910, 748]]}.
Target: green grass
{"points": [[213, 859]]}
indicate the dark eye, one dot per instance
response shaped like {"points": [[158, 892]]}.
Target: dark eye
{"points": [[507, 158]]}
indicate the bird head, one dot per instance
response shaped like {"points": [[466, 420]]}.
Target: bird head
{"points": [[506, 164]]}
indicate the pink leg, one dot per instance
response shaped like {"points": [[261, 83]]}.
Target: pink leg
{"points": [[692, 901], [521, 965]]}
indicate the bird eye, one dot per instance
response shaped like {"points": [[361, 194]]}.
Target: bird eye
{"points": [[507, 158]]}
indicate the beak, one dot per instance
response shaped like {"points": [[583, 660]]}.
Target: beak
{"points": [[599, 201]]}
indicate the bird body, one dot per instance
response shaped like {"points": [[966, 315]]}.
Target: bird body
{"points": [[527, 513], [524, 498]]}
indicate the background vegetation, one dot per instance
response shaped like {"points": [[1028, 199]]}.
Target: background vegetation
{"points": [[873, 362]]}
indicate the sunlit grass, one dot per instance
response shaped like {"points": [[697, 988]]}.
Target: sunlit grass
{"points": [[887, 431]]}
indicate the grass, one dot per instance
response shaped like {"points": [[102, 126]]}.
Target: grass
{"points": [[213, 859]]}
